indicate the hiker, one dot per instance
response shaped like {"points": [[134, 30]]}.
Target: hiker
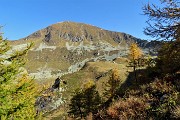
{"points": [[56, 83]]}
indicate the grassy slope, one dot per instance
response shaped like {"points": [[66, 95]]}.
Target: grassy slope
{"points": [[89, 72]]}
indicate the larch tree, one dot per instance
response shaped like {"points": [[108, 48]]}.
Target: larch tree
{"points": [[92, 98], [164, 20], [164, 24], [17, 90], [76, 105], [85, 101], [112, 84], [135, 54]]}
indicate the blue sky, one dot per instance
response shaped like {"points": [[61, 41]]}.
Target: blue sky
{"points": [[23, 17]]}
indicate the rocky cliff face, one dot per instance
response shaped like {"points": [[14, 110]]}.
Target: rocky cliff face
{"points": [[65, 47]]}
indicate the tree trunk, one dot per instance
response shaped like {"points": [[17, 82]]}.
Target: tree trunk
{"points": [[135, 75], [80, 111]]}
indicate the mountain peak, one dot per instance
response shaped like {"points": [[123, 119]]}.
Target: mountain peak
{"points": [[68, 30], [72, 22], [76, 32]]}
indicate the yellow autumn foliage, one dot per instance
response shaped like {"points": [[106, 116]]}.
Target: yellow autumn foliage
{"points": [[115, 74], [18, 91], [88, 84], [135, 52]]}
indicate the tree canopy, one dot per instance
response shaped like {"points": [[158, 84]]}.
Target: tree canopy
{"points": [[164, 21], [17, 89]]}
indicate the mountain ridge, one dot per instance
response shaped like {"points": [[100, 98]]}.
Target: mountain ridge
{"points": [[65, 47]]}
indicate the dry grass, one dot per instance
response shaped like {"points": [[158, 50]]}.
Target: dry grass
{"points": [[94, 69], [131, 108], [89, 72], [176, 112]]}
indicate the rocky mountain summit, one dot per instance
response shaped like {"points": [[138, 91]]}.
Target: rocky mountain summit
{"points": [[77, 32], [65, 47]]}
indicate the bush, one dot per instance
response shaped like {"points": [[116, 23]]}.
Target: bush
{"points": [[129, 108]]}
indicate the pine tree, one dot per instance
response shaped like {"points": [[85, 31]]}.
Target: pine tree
{"points": [[17, 89]]}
